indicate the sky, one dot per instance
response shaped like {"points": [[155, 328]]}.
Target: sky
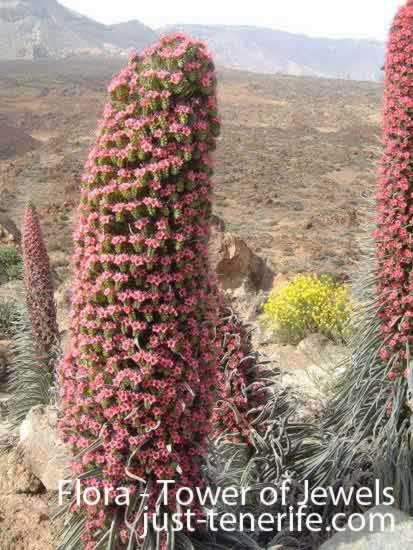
{"points": [[327, 18]]}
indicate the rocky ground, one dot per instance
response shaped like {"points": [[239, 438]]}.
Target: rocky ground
{"points": [[296, 159], [25, 508]]}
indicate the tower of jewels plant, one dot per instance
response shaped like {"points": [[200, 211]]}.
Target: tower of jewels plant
{"points": [[243, 382], [36, 340], [38, 284], [139, 378], [395, 205], [367, 430], [255, 443]]}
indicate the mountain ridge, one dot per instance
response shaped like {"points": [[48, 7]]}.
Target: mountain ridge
{"points": [[33, 29], [266, 50], [41, 29]]}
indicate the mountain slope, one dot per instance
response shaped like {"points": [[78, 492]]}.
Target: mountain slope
{"points": [[35, 29], [270, 51], [32, 29]]}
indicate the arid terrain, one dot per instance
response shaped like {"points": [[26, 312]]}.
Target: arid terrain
{"points": [[295, 158]]}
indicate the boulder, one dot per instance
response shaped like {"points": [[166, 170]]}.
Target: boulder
{"points": [[382, 527], [18, 478], [9, 233], [235, 263], [43, 453], [313, 345], [309, 370]]}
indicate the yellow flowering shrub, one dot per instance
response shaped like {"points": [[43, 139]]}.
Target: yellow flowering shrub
{"points": [[308, 304]]}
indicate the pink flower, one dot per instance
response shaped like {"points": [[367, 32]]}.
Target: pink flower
{"points": [[143, 299], [38, 284], [176, 77], [394, 201]]}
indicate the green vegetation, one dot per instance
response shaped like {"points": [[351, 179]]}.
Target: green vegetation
{"points": [[7, 317], [308, 304], [10, 264]]}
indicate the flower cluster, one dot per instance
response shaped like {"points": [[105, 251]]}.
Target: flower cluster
{"points": [[139, 378], [38, 284], [240, 390], [395, 206], [308, 304]]}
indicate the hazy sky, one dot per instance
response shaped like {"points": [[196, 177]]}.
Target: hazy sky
{"points": [[332, 18]]}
